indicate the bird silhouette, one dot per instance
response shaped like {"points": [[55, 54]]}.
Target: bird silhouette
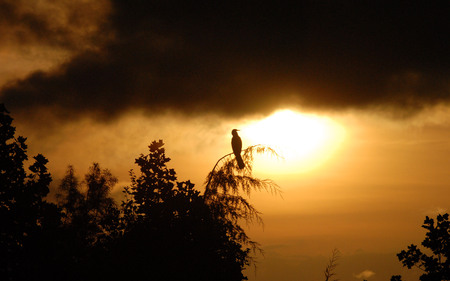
{"points": [[236, 144]]}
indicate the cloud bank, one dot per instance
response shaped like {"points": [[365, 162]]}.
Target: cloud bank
{"points": [[238, 58]]}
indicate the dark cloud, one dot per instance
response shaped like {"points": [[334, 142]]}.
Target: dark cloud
{"points": [[250, 56], [63, 24]]}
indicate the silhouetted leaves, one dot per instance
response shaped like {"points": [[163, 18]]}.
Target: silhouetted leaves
{"points": [[92, 214], [170, 233], [70, 198], [437, 240], [164, 229], [27, 221]]}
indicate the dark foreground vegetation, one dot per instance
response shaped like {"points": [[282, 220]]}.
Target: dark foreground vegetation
{"points": [[434, 261], [165, 229]]}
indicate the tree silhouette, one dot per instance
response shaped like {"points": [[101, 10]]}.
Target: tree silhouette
{"points": [[165, 229], [27, 221], [70, 197], [102, 210], [227, 184], [437, 265], [93, 210], [170, 233], [91, 220]]}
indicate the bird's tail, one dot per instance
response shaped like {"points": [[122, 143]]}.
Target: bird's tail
{"points": [[240, 162]]}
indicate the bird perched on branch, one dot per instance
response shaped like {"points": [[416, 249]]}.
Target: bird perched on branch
{"points": [[236, 144]]}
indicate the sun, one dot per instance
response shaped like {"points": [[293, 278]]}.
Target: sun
{"points": [[304, 141]]}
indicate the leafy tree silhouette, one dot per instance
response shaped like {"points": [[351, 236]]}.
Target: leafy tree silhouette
{"points": [[70, 197], [164, 229], [437, 265], [38, 240], [28, 222], [170, 232], [92, 214], [91, 220]]}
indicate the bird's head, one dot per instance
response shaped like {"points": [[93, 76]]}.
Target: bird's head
{"points": [[234, 132]]}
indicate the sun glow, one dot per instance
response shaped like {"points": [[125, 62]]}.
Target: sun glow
{"points": [[304, 141]]}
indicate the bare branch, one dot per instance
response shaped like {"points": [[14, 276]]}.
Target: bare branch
{"points": [[331, 266]]}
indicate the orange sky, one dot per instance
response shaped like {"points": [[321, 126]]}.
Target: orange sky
{"points": [[97, 81]]}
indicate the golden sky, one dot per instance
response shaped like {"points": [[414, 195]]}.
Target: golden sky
{"points": [[355, 98]]}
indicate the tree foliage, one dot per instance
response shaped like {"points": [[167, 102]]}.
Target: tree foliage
{"points": [[227, 189], [27, 220], [173, 228], [90, 222], [164, 229], [436, 265], [90, 212]]}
